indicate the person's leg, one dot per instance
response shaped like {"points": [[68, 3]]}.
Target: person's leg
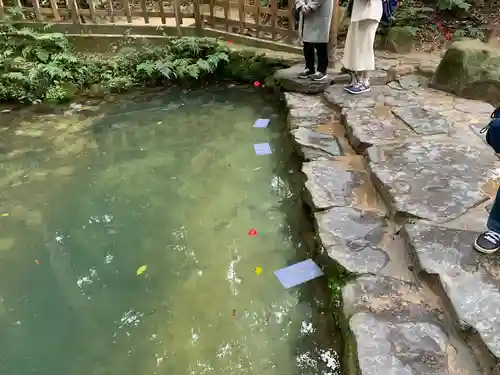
{"points": [[365, 55], [489, 241], [349, 56], [309, 57], [365, 78], [322, 54]]}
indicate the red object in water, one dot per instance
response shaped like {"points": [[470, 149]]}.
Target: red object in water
{"points": [[252, 232], [37, 262], [229, 41], [256, 84]]}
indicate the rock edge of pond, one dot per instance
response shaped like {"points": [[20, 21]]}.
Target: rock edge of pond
{"points": [[420, 301]]}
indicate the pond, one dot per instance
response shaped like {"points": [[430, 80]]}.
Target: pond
{"points": [[141, 236]]}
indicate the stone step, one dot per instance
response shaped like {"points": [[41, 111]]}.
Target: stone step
{"points": [[289, 80], [397, 327], [392, 323], [427, 161], [470, 280]]}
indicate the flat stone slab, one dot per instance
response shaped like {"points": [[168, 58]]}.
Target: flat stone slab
{"points": [[329, 184], [289, 79], [323, 146], [306, 110], [431, 179], [397, 332], [365, 128], [423, 122], [471, 280], [351, 239], [378, 94]]}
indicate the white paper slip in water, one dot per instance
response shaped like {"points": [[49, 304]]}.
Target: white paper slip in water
{"points": [[298, 273], [262, 148], [261, 123]]}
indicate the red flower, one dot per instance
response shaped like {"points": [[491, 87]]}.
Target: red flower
{"points": [[256, 84], [252, 232]]}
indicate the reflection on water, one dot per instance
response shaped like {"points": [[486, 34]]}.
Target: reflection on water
{"points": [[170, 183]]}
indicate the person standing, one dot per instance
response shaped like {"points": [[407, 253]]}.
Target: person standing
{"points": [[359, 54], [315, 17], [489, 241]]}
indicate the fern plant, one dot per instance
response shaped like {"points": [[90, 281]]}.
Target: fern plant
{"points": [[37, 66]]}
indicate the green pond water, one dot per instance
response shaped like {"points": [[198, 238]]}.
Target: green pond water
{"points": [[167, 180]]}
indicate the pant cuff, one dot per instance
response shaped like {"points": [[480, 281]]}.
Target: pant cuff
{"points": [[493, 225]]}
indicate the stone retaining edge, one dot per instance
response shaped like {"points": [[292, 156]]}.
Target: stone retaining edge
{"points": [[351, 361]]}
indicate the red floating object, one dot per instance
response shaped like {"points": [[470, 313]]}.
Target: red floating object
{"points": [[256, 84], [229, 41], [252, 232]]}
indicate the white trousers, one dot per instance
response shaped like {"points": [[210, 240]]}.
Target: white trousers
{"points": [[358, 50]]}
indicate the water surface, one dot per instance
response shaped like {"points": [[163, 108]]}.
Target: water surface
{"points": [[169, 181]]}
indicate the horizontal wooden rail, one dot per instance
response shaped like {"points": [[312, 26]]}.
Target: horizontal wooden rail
{"points": [[245, 17]]}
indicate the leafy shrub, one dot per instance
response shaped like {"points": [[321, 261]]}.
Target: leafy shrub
{"points": [[37, 66]]}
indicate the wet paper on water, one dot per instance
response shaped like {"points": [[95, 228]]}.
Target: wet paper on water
{"points": [[298, 273]]}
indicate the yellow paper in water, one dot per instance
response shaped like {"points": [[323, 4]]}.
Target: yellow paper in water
{"points": [[141, 270], [258, 270], [5, 214]]}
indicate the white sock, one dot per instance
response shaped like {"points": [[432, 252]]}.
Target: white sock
{"points": [[366, 82]]}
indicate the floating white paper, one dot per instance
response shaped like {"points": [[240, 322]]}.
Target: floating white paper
{"points": [[298, 273], [261, 123], [262, 148]]}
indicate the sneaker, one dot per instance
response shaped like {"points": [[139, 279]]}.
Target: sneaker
{"points": [[306, 74], [488, 242], [350, 85], [358, 88], [320, 77]]}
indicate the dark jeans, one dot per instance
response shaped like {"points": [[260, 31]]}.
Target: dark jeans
{"points": [[494, 218], [322, 54]]}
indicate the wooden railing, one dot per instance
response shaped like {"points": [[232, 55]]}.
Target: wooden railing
{"points": [[263, 19]]}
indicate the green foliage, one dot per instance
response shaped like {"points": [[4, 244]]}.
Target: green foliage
{"points": [[37, 66], [461, 5], [411, 14]]}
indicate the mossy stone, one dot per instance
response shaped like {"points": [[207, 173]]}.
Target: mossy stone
{"points": [[400, 39], [470, 68]]}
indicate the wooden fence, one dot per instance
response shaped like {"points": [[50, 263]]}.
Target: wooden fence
{"points": [[262, 19]]}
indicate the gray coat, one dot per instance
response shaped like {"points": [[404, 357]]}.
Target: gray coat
{"points": [[314, 25]]}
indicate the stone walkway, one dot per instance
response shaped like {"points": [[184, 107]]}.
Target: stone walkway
{"points": [[400, 180]]}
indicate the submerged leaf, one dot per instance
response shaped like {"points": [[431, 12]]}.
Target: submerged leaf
{"points": [[141, 270]]}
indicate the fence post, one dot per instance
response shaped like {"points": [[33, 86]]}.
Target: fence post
{"points": [[178, 17], [198, 21], [55, 10], [145, 13], [334, 27], [274, 8], [75, 13]]}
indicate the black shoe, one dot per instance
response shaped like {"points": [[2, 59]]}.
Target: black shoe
{"points": [[306, 74], [488, 242]]}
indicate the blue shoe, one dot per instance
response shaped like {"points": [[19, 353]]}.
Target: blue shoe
{"points": [[358, 88]]}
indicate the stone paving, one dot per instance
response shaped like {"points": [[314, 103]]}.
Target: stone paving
{"points": [[399, 180]]}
